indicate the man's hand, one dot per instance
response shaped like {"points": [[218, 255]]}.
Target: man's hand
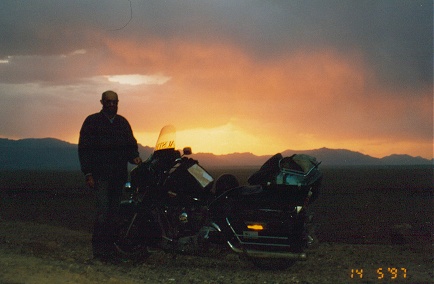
{"points": [[90, 182], [137, 160]]}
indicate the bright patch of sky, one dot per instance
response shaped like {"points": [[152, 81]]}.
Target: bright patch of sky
{"points": [[136, 79]]}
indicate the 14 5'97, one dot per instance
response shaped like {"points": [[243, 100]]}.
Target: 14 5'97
{"points": [[382, 273]]}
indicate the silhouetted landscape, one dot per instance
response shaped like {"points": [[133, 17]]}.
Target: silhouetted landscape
{"points": [[54, 154]]}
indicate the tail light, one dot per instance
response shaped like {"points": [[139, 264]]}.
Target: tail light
{"points": [[255, 227]]}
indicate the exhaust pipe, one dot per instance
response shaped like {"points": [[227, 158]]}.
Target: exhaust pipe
{"points": [[268, 254], [263, 254]]}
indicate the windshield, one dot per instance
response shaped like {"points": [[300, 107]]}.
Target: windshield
{"points": [[166, 139]]}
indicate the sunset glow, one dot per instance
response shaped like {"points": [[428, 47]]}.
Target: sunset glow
{"points": [[136, 79], [246, 77]]}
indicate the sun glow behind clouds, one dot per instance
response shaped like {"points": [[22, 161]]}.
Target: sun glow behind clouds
{"points": [[79, 52], [224, 139], [137, 79]]}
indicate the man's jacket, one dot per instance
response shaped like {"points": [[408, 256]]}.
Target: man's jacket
{"points": [[106, 147]]}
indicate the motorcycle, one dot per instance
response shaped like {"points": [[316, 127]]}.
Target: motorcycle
{"points": [[175, 205]]}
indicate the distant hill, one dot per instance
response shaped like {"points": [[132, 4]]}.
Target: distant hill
{"points": [[43, 154], [54, 154], [329, 157]]}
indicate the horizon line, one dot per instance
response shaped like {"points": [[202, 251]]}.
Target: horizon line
{"points": [[233, 153]]}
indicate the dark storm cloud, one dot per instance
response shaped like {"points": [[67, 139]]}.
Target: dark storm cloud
{"points": [[363, 67], [394, 36], [38, 27]]}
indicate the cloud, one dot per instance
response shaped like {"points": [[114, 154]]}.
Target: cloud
{"points": [[396, 36], [299, 73], [78, 52], [137, 79]]}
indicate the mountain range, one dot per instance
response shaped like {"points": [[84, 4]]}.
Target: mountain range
{"points": [[54, 154]]}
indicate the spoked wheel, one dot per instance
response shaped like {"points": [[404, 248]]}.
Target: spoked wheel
{"points": [[272, 263], [130, 243]]}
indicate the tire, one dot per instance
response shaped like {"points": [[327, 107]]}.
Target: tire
{"points": [[130, 244], [224, 183], [272, 263]]}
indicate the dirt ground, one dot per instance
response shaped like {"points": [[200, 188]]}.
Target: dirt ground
{"points": [[45, 238], [37, 253]]}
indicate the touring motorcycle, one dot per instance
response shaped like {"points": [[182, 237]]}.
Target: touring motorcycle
{"points": [[175, 205]]}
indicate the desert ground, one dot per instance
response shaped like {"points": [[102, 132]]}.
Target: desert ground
{"points": [[374, 224]]}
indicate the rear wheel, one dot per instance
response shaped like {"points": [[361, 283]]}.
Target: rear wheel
{"points": [[224, 183]]}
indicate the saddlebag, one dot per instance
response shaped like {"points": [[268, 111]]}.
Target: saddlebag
{"points": [[268, 216]]}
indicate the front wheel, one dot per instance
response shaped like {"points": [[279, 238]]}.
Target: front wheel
{"points": [[131, 239]]}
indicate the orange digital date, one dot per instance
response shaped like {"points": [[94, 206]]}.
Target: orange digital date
{"points": [[381, 273]]}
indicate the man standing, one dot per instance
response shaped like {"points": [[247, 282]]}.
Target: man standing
{"points": [[105, 147]]}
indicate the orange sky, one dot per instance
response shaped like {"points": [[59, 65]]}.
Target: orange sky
{"points": [[226, 87], [303, 100]]}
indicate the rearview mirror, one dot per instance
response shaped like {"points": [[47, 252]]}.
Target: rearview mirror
{"points": [[187, 151]]}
